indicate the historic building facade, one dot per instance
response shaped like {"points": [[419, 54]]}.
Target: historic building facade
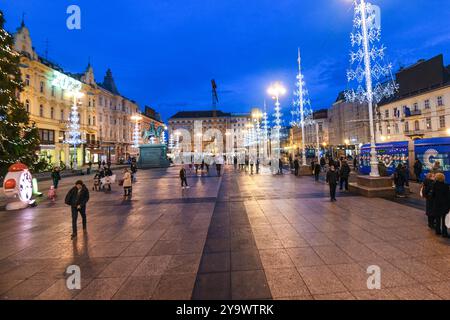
{"points": [[105, 115], [231, 126], [421, 108]]}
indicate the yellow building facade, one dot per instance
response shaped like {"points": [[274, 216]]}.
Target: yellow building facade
{"points": [[105, 124]]}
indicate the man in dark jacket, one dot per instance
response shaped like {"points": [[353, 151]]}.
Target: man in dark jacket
{"points": [[441, 204], [418, 169], [183, 178], [77, 198], [332, 179], [280, 166], [56, 176], [296, 166], [317, 171], [399, 181], [344, 175]]}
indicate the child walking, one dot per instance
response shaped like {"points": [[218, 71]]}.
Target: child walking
{"points": [[52, 194]]}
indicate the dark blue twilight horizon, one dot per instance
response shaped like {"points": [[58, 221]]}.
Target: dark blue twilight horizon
{"points": [[163, 53]]}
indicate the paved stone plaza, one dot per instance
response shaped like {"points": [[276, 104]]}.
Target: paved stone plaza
{"points": [[235, 237]]}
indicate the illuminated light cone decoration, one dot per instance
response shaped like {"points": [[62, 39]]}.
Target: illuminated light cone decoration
{"points": [[171, 142], [136, 131], [265, 133], [302, 114], [276, 90], [74, 128], [369, 68]]}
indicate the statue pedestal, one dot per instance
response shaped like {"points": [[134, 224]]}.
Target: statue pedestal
{"points": [[153, 156], [372, 187]]}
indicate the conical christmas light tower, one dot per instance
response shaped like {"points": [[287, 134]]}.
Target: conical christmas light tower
{"points": [[74, 127], [265, 133], [276, 90], [302, 113], [369, 67]]}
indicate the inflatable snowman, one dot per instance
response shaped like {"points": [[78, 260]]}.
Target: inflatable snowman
{"points": [[18, 185]]}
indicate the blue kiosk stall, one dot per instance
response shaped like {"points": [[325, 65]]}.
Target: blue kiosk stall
{"points": [[428, 151]]}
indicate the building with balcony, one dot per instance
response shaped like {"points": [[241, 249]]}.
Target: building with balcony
{"points": [[421, 108]]}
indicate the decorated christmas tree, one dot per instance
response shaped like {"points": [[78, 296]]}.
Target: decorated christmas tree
{"points": [[18, 138]]}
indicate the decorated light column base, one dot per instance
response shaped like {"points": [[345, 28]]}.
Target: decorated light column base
{"points": [[18, 186], [305, 171], [373, 187]]}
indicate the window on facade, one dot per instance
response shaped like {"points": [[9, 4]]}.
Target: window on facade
{"points": [[27, 80], [442, 122], [41, 87], [89, 102], [27, 105], [406, 126], [396, 128], [52, 112], [53, 91], [93, 120], [47, 136], [440, 101], [416, 107], [427, 104], [62, 115], [428, 121], [89, 120], [416, 125], [388, 129], [41, 110], [386, 114]]}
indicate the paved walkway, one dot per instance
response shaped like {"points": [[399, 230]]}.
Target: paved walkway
{"points": [[235, 237]]}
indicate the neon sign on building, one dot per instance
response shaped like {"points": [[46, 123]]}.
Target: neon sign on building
{"points": [[65, 82]]}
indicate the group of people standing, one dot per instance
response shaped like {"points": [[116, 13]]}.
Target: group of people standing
{"points": [[437, 195]]}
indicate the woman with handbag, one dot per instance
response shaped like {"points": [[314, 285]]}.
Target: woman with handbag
{"points": [[426, 192]]}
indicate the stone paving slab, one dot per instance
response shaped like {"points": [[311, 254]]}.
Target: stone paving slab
{"points": [[237, 237]]}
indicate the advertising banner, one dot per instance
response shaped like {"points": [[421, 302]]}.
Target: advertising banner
{"points": [[391, 154], [428, 151]]}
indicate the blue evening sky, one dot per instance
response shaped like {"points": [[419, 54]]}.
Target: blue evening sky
{"points": [[163, 53]]}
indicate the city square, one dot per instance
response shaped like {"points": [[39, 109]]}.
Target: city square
{"points": [[234, 237], [203, 156]]}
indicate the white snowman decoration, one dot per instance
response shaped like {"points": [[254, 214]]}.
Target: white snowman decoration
{"points": [[18, 185]]}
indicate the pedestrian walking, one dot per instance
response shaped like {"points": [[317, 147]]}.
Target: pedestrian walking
{"points": [[441, 204], [418, 167], [355, 163], [51, 195], [332, 180], [77, 198], [322, 163], [56, 176], [97, 178], [317, 168], [426, 192], [89, 167], [183, 178], [296, 166], [257, 165], [127, 184], [344, 174], [235, 162], [280, 166], [399, 181]]}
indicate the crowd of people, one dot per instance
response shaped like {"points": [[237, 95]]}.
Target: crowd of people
{"points": [[437, 196]]}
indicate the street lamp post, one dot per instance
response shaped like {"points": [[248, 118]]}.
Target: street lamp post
{"points": [[317, 141]]}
